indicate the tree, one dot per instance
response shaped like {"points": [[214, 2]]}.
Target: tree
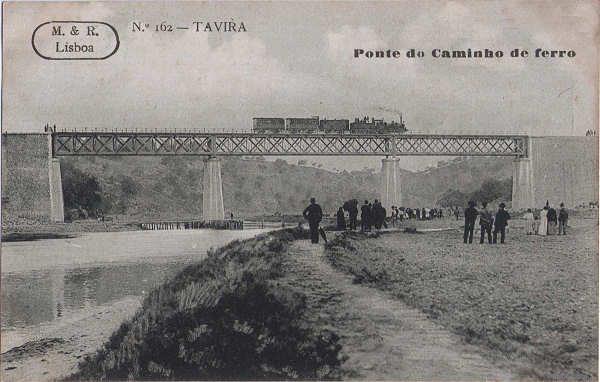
{"points": [[129, 187], [493, 189], [452, 198], [80, 190]]}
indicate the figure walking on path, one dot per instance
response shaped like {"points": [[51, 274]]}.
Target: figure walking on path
{"points": [[313, 214], [470, 216], [500, 223], [485, 222], [543, 229], [563, 218]]}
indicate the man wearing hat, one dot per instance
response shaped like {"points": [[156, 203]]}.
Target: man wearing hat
{"points": [[486, 219], [313, 214], [470, 216], [563, 218], [500, 223]]}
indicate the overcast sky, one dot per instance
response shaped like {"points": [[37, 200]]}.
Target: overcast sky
{"points": [[296, 59]]}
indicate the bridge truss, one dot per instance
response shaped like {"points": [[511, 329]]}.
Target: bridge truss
{"points": [[227, 144]]}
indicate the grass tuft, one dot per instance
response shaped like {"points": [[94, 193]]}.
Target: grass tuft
{"points": [[221, 319]]}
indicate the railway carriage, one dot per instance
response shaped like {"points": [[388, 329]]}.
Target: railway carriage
{"points": [[302, 125], [268, 125], [314, 125]]}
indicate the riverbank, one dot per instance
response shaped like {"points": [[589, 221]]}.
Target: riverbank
{"points": [[32, 236], [56, 349], [24, 226], [28, 229], [533, 299], [223, 318], [382, 338], [53, 290]]}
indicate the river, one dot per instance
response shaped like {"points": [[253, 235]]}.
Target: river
{"points": [[46, 281]]}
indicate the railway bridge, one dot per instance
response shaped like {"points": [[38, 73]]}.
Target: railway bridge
{"points": [[212, 146]]}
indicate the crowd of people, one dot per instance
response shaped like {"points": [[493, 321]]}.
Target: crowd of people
{"points": [[548, 221], [423, 213], [491, 224], [486, 221]]}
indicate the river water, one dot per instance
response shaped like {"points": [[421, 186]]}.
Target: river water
{"points": [[49, 280]]}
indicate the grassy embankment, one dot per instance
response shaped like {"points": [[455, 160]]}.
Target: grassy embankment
{"points": [[532, 301], [224, 318]]}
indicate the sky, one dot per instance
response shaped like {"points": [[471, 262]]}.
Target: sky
{"points": [[296, 60]]}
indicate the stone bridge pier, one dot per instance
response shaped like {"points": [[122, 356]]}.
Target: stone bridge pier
{"points": [[522, 187], [212, 193], [391, 187]]}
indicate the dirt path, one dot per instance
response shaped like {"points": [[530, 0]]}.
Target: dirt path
{"points": [[383, 338]]}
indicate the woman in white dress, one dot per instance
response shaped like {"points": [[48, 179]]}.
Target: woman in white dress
{"points": [[543, 230], [529, 222]]}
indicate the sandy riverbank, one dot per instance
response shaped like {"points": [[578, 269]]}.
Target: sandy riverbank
{"points": [[382, 338], [55, 350], [533, 299]]}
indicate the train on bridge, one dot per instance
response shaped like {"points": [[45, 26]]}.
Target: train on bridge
{"points": [[315, 125]]}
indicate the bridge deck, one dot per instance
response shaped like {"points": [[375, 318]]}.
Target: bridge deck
{"points": [[224, 144]]}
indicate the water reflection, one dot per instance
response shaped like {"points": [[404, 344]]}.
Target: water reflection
{"points": [[39, 296], [49, 279]]}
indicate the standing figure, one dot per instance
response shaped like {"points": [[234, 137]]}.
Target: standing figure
{"points": [[543, 229], [456, 213], [470, 216], [485, 222], [376, 214], [394, 216], [552, 221], [313, 214], [529, 222], [365, 211], [563, 217], [500, 223], [353, 213], [341, 219]]}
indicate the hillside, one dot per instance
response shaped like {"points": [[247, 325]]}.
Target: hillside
{"points": [[171, 187], [465, 174]]}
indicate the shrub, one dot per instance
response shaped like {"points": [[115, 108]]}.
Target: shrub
{"points": [[221, 319]]}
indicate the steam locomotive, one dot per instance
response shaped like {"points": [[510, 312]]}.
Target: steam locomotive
{"points": [[315, 125]]}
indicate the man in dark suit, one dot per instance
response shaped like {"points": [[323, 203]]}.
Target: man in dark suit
{"points": [[365, 217], [500, 223], [470, 216], [313, 214]]}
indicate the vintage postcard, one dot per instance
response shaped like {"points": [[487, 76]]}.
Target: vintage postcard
{"points": [[250, 190]]}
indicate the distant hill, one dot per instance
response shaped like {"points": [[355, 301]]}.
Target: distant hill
{"points": [[465, 174], [171, 187]]}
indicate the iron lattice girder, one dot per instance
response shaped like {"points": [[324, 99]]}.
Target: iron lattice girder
{"points": [[133, 143]]}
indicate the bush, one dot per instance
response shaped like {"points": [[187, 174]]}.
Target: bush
{"points": [[80, 190], [221, 319]]}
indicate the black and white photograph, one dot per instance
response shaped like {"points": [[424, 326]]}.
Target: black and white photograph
{"points": [[299, 190]]}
